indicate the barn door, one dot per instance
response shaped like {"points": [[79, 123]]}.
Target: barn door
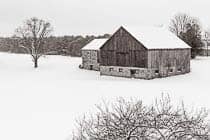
{"points": [[123, 59]]}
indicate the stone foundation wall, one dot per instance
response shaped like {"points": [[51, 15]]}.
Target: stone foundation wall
{"points": [[115, 71], [89, 66], [90, 60], [172, 71], [139, 73]]}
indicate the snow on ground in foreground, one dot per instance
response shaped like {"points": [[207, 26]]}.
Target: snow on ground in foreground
{"points": [[43, 103]]}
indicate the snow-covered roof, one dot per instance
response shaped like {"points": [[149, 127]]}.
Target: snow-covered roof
{"points": [[95, 44], [157, 38]]}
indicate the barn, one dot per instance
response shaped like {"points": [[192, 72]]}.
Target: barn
{"points": [[145, 53], [90, 54]]}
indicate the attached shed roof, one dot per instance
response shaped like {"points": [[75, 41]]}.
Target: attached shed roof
{"points": [[157, 38], [95, 44]]}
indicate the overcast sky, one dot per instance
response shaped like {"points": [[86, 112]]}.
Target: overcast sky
{"points": [[73, 17]]}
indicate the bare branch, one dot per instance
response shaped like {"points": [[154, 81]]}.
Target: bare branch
{"points": [[32, 37]]}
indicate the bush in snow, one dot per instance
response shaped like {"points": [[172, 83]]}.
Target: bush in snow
{"points": [[132, 120]]}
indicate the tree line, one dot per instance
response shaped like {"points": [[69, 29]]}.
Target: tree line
{"points": [[35, 37], [62, 45], [58, 45]]}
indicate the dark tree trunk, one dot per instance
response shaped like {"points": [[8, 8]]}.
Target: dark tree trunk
{"points": [[35, 63]]}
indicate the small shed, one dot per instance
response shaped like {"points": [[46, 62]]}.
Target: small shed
{"points": [[90, 54], [205, 50], [145, 53]]}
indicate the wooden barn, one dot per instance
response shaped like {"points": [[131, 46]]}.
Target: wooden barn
{"points": [[90, 54], [144, 53]]}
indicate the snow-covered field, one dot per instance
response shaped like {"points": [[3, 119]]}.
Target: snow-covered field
{"points": [[43, 103]]}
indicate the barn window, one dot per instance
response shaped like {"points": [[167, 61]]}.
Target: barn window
{"points": [[120, 70], [171, 70], [134, 72], [91, 67], [179, 70], [137, 71], [156, 71], [111, 69]]}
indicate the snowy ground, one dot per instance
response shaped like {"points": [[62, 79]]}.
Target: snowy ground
{"points": [[43, 104]]}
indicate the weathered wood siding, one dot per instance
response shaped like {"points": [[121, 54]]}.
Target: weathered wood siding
{"points": [[122, 49], [169, 60]]}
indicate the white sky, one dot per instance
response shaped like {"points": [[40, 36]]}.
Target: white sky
{"points": [[73, 17]]}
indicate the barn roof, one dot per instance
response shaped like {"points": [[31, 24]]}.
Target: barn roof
{"points": [[157, 38], [95, 44]]}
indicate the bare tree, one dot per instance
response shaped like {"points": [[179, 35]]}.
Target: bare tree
{"points": [[32, 35], [131, 120], [169, 123], [188, 29], [121, 121], [81, 130], [179, 23]]}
